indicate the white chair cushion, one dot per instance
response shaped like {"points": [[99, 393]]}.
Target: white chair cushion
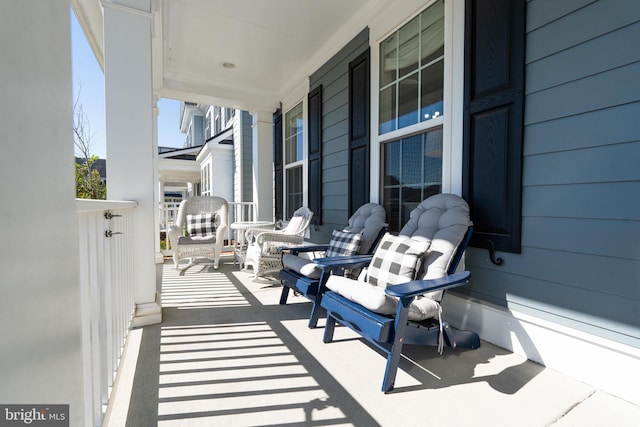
{"points": [[395, 260], [343, 244], [201, 224], [375, 299]]}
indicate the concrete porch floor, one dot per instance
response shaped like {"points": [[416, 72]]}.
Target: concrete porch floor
{"points": [[228, 354]]}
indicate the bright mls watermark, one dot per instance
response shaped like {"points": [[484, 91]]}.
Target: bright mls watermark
{"points": [[34, 415]]}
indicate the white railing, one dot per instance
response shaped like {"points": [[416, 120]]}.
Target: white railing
{"points": [[238, 211], [107, 290]]}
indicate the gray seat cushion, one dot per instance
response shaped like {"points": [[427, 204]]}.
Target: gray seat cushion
{"points": [[197, 240], [375, 299], [302, 266]]}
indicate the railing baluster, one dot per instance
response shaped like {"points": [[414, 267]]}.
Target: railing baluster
{"points": [[106, 277]]}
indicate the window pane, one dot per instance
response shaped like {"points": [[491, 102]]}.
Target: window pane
{"points": [[391, 197], [412, 72], [293, 138], [408, 47], [432, 171], [412, 161], [388, 109], [388, 61], [294, 190], [412, 172], [432, 33], [408, 101], [432, 91], [392, 163]]}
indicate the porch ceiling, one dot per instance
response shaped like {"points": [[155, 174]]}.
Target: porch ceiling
{"points": [[274, 45]]}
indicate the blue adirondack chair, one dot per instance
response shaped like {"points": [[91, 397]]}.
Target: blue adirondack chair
{"points": [[389, 315], [302, 275]]}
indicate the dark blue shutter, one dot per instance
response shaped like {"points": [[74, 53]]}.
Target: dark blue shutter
{"points": [[277, 164], [359, 107], [493, 120], [314, 137]]}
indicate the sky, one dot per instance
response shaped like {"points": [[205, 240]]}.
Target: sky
{"points": [[88, 80]]}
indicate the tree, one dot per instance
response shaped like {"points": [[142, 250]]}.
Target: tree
{"points": [[88, 182]]}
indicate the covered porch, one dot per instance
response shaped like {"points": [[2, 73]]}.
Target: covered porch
{"points": [[227, 353]]}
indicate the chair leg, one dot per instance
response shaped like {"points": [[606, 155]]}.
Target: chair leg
{"points": [[393, 361], [393, 356], [284, 295], [315, 313], [329, 327]]}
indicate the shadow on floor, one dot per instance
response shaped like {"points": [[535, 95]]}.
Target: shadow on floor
{"points": [[223, 357]]}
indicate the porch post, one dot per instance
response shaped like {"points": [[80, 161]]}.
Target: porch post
{"points": [[131, 152], [40, 290], [263, 163]]}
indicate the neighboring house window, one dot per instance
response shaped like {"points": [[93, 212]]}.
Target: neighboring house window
{"points": [[208, 131], [218, 120], [411, 81], [293, 159], [206, 185]]}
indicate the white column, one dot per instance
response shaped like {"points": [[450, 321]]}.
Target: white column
{"points": [[130, 129], [263, 163], [40, 298]]}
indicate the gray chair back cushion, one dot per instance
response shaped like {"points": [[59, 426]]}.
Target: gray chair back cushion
{"points": [[369, 219], [443, 220]]}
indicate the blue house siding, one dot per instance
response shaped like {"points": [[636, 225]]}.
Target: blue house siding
{"points": [[334, 78], [580, 260]]}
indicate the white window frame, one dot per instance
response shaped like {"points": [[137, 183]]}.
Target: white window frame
{"points": [[303, 162], [453, 92], [206, 179]]}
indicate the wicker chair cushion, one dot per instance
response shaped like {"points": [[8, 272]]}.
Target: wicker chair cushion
{"points": [[196, 240]]}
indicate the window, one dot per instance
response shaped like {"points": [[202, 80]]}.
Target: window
{"points": [[411, 72], [293, 159], [208, 130], [206, 187], [411, 113], [412, 172]]}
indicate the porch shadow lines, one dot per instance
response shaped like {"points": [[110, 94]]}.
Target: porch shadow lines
{"points": [[216, 341], [232, 394], [231, 357], [254, 410], [221, 358], [216, 364], [235, 367], [234, 380], [248, 347]]}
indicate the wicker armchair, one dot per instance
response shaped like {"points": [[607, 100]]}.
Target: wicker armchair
{"points": [[263, 253], [204, 218]]}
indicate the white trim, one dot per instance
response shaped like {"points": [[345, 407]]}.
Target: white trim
{"points": [[606, 365], [109, 4]]}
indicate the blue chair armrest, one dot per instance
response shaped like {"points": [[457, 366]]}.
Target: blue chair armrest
{"points": [[351, 262], [299, 249], [420, 287]]}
